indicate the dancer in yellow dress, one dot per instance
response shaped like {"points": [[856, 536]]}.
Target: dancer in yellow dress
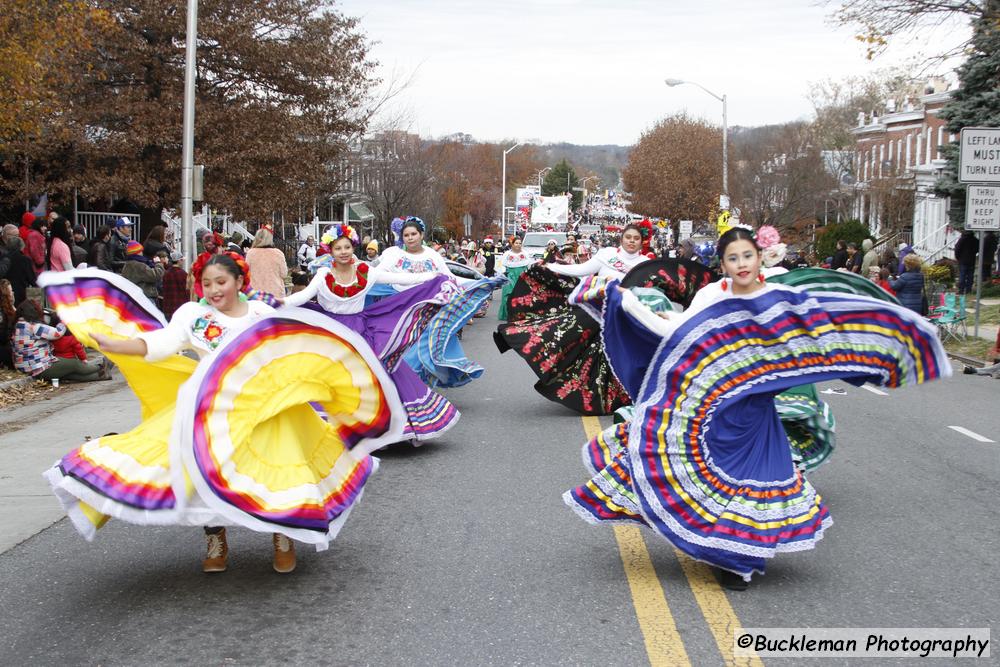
{"points": [[236, 438]]}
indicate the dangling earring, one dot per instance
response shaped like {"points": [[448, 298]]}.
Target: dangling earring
{"points": [[760, 278], [723, 284]]}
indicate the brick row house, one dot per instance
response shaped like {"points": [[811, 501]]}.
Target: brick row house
{"points": [[896, 164]]}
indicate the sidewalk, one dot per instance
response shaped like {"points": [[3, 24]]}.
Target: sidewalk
{"points": [[36, 435]]}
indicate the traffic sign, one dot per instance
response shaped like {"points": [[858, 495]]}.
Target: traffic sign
{"points": [[979, 155], [982, 208]]}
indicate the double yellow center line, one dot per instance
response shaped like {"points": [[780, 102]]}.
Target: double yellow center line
{"points": [[659, 631]]}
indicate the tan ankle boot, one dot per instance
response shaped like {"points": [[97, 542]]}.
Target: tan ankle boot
{"points": [[218, 552], [284, 554]]}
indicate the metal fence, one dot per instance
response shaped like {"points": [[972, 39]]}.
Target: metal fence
{"points": [[94, 220]]}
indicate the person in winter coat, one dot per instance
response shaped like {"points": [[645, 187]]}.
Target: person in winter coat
{"points": [[146, 273], [909, 286], [870, 258], [118, 242], [840, 256], [154, 243], [904, 250], [34, 244], [98, 256], [268, 267], [966, 250], [20, 273]]}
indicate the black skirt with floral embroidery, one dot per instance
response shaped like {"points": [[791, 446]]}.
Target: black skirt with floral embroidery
{"points": [[561, 343]]}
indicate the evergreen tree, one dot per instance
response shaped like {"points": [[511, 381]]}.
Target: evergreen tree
{"points": [[562, 179], [976, 102]]}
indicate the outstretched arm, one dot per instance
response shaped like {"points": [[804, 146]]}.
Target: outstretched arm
{"points": [[133, 346], [588, 268]]}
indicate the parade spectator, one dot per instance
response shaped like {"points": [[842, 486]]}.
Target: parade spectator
{"points": [[66, 346], [34, 245], [98, 255], [489, 255], [307, 252], [144, 272], [552, 254], [175, 290], [9, 232], [58, 253], [32, 344], [909, 286], [966, 251], [300, 280], [854, 258], [80, 245], [8, 316], [27, 220], [840, 256], [268, 268], [155, 243], [870, 257], [118, 242], [989, 254], [904, 250], [371, 253], [883, 281], [21, 272]]}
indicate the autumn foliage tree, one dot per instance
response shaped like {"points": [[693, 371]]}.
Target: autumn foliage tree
{"points": [[675, 171], [279, 88]]}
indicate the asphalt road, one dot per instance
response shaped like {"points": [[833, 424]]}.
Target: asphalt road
{"points": [[462, 552]]}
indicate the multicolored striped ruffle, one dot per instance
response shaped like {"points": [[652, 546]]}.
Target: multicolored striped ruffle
{"points": [[707, 458], [94, 301], [437, 356], [256, 450], [429, 416]]}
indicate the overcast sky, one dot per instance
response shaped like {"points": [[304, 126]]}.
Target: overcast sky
{"points": [[591, 71]]}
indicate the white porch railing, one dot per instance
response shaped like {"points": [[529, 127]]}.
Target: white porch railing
{"points": [[94, 220]]}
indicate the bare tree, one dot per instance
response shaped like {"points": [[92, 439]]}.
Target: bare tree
{"points": [[880, 21]]}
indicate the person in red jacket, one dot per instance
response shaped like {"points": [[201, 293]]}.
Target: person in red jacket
{"points": [[67, 347], [34, 244]]}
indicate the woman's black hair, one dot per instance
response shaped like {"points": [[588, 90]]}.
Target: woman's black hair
{"points": [[59, 229], [225, 262], [29, 311], [411, 223], [634, 226], [734, 234], [103, 232]]}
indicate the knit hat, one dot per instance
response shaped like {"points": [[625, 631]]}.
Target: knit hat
{"points": [[372, 245], [79, 229], [133, 248], [27, 218], [176, 257]]}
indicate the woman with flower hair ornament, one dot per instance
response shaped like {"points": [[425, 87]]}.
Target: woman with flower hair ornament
{"points": [[389, 325], [705, 461], [437, 356], [236, 438], [561, 342]]}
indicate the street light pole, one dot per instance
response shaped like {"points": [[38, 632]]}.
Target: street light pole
{"points": [[541, 172], [503, 192], [187, 148], [725, 129]]}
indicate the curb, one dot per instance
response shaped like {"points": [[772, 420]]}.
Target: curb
{"points": [[19, 382], [969, 361]]}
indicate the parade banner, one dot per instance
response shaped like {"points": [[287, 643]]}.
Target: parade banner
{"points": [[550, 211], [524, 197]]}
